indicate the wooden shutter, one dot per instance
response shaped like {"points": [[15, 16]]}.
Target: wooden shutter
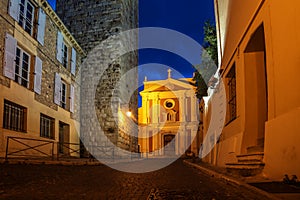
{"points": [[71, 98], [41, 26], [73, 63], [57, 89], [59, 46], [38, 75], [14, 9], [10, 56]]}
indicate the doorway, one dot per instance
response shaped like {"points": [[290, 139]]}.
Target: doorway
{"points": [[64, 138], [256, 93], [169, 144]]}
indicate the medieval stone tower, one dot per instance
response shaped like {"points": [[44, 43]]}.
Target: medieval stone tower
{"points": [[92, 22]]}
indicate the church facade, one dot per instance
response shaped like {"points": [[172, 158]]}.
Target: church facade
{"points": [[168, 118]]}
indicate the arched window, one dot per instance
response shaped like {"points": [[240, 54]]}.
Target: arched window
{"points": [[171, 116]]}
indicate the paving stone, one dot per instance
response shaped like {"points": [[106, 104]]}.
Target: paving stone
{"points": [[177, 181]]}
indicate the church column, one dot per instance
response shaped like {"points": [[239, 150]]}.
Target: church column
{"points": [[148, 110], [144, 106], [182, 141], [182, 108], [194, 138], [193, 108], [158, 109], [154, 110]]}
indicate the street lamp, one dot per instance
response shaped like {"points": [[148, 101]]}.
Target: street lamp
{"points": [[128, 113]]}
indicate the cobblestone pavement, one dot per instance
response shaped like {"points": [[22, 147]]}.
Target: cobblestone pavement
{"points": [[177, 181]]}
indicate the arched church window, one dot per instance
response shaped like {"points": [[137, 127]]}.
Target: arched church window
{"points": [[171, 116]]}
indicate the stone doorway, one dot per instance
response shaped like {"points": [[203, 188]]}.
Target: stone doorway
{"points": [[169, 144], [256, 93], [64, 138]]}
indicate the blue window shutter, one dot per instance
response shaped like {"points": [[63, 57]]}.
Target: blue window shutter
{"points": [[72, 94], [41, 26], [38, 75], [14, 9], [10, 56], [57, 89], [73, 63], [59, 46]]}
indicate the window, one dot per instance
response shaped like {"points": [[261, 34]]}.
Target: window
{"points": [[171, 116], [65, 56], [26, 16], [63, 93], [22, 67], [14, 117], [231, 84], [29, 17], [46, 126], [63, 99]]}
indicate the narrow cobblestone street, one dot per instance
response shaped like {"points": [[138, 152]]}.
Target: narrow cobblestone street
{"points": [[177, 181]]}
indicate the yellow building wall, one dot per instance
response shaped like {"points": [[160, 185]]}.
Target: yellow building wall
{"points": [[232, 19], [282, 39], [25, 98]]}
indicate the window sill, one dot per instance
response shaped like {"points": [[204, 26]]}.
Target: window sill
{"points": [[15, 130], [48, 138]]}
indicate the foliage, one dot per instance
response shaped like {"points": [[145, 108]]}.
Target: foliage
{"points": [[210, 41], [209, 57]]}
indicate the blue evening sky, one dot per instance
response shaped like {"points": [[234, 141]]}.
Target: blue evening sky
{"points": [[187, 17]]}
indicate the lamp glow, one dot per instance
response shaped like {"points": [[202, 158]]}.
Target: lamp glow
{"points": [[128, 113]]}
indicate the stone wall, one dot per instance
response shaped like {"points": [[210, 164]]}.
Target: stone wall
{"points": [[6, 23], [92, 22], [37, 104]]}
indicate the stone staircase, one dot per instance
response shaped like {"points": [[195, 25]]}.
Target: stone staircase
{"points": [[249, 164]]}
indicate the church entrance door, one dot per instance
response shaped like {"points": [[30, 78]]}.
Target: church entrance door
{"points": [[169, 144]]}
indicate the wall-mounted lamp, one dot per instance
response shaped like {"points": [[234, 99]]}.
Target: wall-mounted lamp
{"points": [[128, 113]]}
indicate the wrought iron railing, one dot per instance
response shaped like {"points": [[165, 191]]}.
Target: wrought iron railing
{"points": [[26, 146], [63, 150]]}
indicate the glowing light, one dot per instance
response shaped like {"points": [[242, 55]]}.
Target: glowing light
{"points": [[128, 113]]}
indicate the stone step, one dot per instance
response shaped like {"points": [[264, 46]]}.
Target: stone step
{"points": [[245, 168], [256, 157], [245, 165]]}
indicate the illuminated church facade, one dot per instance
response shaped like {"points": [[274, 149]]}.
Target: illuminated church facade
{"points": [[168, 118]]}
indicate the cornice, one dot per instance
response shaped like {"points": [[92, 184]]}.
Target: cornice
{"points": [[58, 22]]}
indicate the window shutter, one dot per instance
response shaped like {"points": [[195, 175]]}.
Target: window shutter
{"points": [[14, 9], [57, 89], [10, 56], [59, 50], [41, 26], [71, 98], [38, 75], [73, 63]]}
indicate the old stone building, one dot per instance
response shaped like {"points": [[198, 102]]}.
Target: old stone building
{"points": [[39, 83], [92, 23], [258, 42], [168, 118]]}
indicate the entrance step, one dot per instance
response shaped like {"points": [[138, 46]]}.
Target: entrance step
{"points": [[247, 165], [255, 157]]}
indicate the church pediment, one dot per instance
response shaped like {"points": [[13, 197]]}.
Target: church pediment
{"points": [[167, 85]]}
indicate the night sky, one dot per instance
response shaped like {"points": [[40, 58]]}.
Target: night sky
{"points": [[187, 17]]}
